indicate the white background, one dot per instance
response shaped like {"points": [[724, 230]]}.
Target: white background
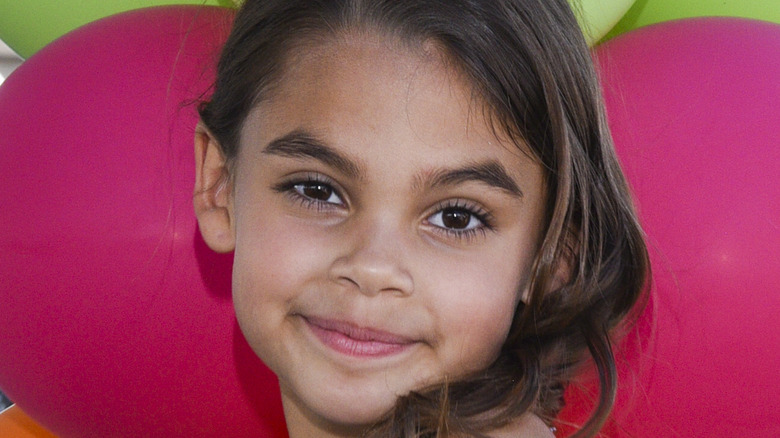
{"points": [[8, 61]]}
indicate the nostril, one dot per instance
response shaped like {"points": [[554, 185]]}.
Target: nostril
{"points": [[346, 281], [371, 273]]}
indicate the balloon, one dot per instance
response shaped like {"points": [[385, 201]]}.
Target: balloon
{"points": [[14, 423], [646, 12], [116, 319], [28, 25], [694, 110], [597, 17]]}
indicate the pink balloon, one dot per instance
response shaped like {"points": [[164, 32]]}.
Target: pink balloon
{"points": [[694, 106], [116, 319]]}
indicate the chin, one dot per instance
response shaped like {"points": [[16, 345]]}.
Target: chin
{"points": [[345, 412], [356, 411]]}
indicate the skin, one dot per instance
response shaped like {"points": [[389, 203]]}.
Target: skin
{"points": [[374, 252]]}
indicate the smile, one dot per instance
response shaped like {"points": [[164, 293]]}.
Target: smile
{"points": [[352, 340]]}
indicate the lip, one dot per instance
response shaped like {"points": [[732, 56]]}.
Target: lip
{"points": [[353, 340]]}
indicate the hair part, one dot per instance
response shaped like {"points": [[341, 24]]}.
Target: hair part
{"points": [[530, 67]]}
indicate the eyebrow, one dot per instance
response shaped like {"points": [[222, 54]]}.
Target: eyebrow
{"points": [[301, 144], [491, 173]]}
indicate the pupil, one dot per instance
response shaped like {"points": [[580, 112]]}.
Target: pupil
{"points": [[458, 219], [317, 191]]}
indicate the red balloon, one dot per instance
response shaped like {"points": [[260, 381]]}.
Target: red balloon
{"points": [[694, 106], [116, 319]]}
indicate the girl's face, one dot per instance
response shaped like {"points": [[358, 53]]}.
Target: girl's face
{"points": [[383, 234]]}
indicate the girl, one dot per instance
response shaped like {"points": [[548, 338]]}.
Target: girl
{"points": [[429, 225]]}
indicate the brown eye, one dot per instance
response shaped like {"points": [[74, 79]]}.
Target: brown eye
{"points": [[455, 218], [320, 192], [317, 192]]}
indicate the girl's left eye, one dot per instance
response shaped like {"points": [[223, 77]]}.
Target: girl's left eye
{"points": [[456, 219], [460, 219]]}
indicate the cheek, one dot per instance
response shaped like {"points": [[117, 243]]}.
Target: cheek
{"points": [[475, 305], [477, 298], [483, 328], [273, 261]]}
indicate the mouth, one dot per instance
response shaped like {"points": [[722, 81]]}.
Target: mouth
{"points": [[353, 340]]}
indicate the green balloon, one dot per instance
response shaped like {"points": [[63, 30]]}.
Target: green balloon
{"points": [[597, 17], [645, 12], [28, 25]]}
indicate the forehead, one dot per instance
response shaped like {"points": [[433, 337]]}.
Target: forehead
{"points": [[374, 94]]}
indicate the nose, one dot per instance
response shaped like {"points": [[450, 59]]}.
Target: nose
{"points": [[373, 264]]}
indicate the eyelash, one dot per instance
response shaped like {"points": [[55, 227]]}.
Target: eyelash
{"points": [[471, 208], [289, 188]]}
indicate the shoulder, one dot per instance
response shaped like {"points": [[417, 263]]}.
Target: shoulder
{"points": [[527, 426]]}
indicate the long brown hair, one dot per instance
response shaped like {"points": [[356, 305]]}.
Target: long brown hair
{"points": [[528, 62]]}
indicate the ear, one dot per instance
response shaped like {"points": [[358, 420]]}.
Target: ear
{"points": [[563, 268], [213, 199], [563, 271]]}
